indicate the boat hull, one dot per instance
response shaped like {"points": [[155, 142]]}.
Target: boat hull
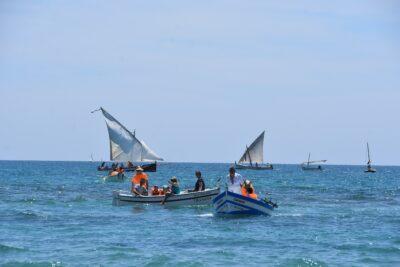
{"points": [[229, 203], [311, 168], [253, 167], [185, 199], [152, 167]]}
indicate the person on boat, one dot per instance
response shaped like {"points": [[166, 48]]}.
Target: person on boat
{"points": [[164, 190], [155, 191], [102, 166], [200, 185], [248, 189], [140, 189], [120, 172], [129, 164], [234, 180], [172, 190], [139, 176]]}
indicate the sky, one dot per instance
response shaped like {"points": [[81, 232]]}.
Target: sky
{"points": [[199, 80]]}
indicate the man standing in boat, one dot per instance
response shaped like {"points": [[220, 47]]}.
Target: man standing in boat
{"points": [[235, 181]]}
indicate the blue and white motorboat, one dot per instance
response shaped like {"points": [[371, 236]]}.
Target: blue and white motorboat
{"points": [[235, 204]]}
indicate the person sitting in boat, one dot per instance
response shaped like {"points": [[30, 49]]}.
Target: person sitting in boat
{"points": [[129, 164], [155, 191], [139, 176], [172, 190], [248, 190], [164, 190], [140, 189], [102, 166], [200, 185], [234, 180]]}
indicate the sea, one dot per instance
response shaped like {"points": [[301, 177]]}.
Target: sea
{"points": [[61, 214]]}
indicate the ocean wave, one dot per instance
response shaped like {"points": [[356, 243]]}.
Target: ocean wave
{"points": [[32, 215], [288, 215], [205, 215], [79, 198], [303, 262], [32, 264], [9, 248]]}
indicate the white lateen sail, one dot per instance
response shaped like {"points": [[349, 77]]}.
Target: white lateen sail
{"points": [[124, 146], [255, 152]]}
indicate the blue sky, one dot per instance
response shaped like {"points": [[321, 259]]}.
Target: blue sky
{"points": [[199, 80]]}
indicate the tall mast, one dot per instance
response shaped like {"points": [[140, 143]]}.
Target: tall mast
{"points": [[369, 158], [248, 153], [308, 162]]}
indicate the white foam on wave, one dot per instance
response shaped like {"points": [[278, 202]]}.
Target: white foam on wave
{"points": [[289, 214], [206, 215]]}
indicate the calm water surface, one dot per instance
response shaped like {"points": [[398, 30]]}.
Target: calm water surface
{"points": [[61, 214]]}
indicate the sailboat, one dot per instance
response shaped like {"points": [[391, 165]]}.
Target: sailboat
{"points": [[126, 147], [369, 168], [253, 157], [309, 165]]}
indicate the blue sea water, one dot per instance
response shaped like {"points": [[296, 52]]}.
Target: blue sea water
{"points": [[61, 214]]}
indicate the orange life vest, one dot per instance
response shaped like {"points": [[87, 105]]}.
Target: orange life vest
{"points": [[156, 192], [136, 179], [252, 195], [244, 191]]}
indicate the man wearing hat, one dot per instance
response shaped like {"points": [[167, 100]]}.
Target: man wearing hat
{"points": [[139, 176]]}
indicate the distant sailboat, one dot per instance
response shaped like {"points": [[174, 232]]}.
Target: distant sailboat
{"points": [[253, 157], [369, 168], [309, 165], [125, 147]]}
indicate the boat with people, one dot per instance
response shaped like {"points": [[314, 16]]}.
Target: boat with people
{"points": [[151, 167], [240, 198], [126, 148], [185, 198], [253, 156], [369, 167], [312, 165], [231, 203]]}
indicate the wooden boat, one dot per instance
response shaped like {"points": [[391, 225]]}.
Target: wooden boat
{"points": [[310, 165], [126, 147], [253, 157], [151, 167], [229, 203], [369, 167], [184, 199]]}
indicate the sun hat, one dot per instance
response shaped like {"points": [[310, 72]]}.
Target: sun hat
{"points": [[138, 168]]}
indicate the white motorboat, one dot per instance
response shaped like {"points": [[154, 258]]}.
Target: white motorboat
{"points": [[183, 199], [229, 203]]}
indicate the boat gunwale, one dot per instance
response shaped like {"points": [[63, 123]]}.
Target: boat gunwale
{"points": [[173, 198]]}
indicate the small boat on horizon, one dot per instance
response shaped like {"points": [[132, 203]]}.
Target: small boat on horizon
{"points": [[310, 165], [369, 167], [126, 148], [230, 203], [253, 157]]}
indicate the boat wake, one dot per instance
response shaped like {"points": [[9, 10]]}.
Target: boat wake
{"points": [[205, 215]]}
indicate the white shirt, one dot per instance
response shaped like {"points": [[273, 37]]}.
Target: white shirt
{"points": [[234, 183]]}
